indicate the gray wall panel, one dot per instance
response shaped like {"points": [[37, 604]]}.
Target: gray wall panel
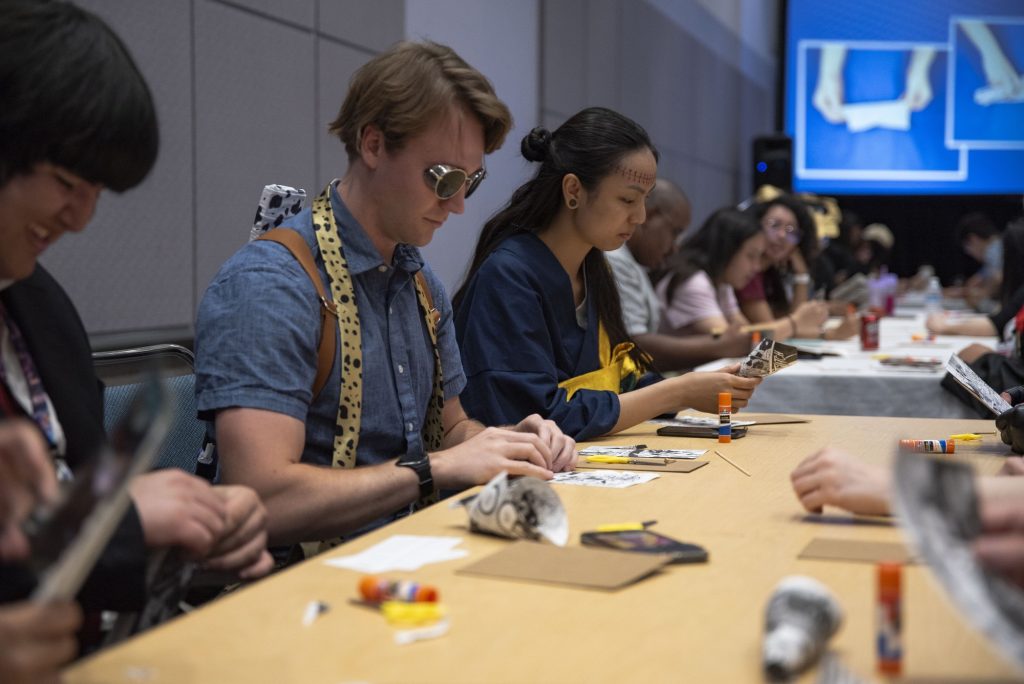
{"points": [[335, 65], [132, 268], [371, 25], [301, 12], [255, 124]]}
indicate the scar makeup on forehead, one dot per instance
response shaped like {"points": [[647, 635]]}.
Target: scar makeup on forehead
{"points": [[634, 175]]}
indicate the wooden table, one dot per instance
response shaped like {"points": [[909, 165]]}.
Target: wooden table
{"points": [[697, 623]]}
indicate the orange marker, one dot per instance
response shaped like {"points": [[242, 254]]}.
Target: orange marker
{"points": [[724, 417], [378, 590]]}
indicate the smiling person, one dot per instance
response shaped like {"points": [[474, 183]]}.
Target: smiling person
{"points": [[387, 429], [539, 319], [698, 290], [78, 119]]}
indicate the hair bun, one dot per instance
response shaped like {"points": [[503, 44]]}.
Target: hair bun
{"points": [[536, 144]]}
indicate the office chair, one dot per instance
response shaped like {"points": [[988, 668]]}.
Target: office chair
{"points": [[122, 371]]}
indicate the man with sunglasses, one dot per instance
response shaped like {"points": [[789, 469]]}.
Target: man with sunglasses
{"points": [[387, 430]]}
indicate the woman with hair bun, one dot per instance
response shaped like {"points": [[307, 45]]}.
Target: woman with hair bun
{"points": [[538, 319]]}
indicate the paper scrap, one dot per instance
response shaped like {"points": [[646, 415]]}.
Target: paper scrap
{"points": [[614, 479], [766, 358], [518, 508], [641, 453], [978, 388], [863, 116], [401, 552]]}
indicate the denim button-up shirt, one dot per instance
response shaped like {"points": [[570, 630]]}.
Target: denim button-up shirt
{"points": [[259, 324]]}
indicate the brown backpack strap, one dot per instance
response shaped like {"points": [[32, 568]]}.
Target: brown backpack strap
{"points": [[293, 242]]}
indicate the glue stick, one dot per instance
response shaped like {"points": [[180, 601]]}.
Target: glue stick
{"points": [[929, 446], [724, 417], [889, 619], [377, 590]]}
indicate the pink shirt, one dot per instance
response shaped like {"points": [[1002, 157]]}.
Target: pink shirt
{"points": [[697, 299]]}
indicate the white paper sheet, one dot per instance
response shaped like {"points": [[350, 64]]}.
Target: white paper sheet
{"points": [[634, 452], [863, 116], [401, 552], [614, 479]]}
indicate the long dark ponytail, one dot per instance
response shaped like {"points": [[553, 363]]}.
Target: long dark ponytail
{"points": [[589, 145]]}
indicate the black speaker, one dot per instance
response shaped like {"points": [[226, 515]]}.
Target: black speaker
{"points": [[773, 161]]}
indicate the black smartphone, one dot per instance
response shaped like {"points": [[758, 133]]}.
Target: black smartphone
{"points": [[708, 431], [645, 541]]}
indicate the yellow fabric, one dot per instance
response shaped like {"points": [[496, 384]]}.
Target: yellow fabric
{"points": [[617, 369]]}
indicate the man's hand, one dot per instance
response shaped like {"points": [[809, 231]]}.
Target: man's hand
{"points": [[242, 546], [178, 509], [36, 640], [476, 460], [561, 447], [26, 479], [834, 478]]}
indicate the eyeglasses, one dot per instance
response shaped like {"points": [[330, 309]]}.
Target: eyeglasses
{"points": [[446, 180], [787, 230]]}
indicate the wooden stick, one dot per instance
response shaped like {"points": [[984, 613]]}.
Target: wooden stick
{"points": [[733, 464]]}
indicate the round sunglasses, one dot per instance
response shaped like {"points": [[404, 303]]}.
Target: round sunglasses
{"points": [[446, 180]]}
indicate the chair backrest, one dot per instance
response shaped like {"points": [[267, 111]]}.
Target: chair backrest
{"points": [[121, 372]]}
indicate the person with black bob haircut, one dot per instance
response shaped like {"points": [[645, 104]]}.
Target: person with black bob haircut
{"points": [[78, 117], [538, 319]]}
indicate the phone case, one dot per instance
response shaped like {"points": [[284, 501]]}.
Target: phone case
{"points": [[699, 431], [646, 541]]}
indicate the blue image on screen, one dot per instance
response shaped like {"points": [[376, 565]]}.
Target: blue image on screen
{"points": [[999, 125], [878, 75], [985, 166]]}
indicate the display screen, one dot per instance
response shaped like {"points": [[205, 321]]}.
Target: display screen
{"points": [[907, 96]]}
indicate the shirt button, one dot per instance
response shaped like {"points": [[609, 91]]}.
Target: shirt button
{"points": [[382, 268], [408, 427], [400, 368]]}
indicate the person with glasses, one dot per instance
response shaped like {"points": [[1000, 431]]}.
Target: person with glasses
{"points": [[539, 319], [387, 431], [779, 296]]}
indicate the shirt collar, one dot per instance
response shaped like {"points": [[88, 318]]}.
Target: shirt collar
{"points": [[360, 252]]}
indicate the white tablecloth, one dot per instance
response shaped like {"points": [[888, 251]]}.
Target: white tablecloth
{"points": [[856, 383]]}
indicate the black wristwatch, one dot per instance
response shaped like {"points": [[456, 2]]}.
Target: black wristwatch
{"points": [[420, 463]]}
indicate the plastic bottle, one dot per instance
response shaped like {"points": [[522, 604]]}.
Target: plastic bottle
{"points": [[802, 615], [933, 295]]}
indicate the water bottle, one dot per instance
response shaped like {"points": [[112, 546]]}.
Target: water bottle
{"points": [[933, 295]]}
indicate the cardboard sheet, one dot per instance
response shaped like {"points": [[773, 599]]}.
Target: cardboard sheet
{"points": [[574, 565], [821, 548], [676, 466]]}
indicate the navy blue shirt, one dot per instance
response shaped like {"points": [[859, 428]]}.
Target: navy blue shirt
{"points": [[259, 325], [519, 337]]}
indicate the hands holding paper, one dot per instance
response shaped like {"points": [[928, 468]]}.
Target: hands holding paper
{"points": [[225, 525]]}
